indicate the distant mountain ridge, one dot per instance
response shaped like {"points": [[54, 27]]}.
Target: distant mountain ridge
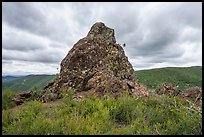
{"points": [[183, 76], [9, 78]]}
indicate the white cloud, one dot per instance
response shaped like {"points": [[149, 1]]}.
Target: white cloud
{"points": [[25, 68], [37, 36]]}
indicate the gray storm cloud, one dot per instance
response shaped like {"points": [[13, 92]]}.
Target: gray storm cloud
{"points": [[156, 34]]}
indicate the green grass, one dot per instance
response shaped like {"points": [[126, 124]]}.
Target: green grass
{"points": [[28, 83], [90, 116], [7, 99], [183, 77]]}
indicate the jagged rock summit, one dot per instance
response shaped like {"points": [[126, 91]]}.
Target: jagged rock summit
{"points": [[96, 65]]}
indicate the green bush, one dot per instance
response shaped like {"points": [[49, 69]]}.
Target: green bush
{"points": [[125, 115], [7, 99], [124, 111]]}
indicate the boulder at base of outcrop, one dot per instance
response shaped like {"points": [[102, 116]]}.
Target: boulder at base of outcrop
{"points": [[193, 93], [168, 89], [96, 65], [21, 97]]}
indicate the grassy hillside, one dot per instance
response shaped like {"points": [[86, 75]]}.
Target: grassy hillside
{"points": [[106, 116], [28, 82], [184, 77]]}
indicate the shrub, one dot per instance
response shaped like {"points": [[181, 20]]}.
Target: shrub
{"points": [[123, 111], [125, 115], [7, 99]]}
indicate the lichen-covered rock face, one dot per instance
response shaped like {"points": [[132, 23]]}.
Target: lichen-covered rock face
{"points": [[97, 64], [100, 30]]}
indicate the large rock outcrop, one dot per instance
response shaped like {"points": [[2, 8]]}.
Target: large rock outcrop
{"points": [[95, 65]]}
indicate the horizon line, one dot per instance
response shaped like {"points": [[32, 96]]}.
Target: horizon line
{"points": [[3, 75]]}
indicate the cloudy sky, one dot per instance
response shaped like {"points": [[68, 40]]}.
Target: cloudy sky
{"points": [[37, 36]]}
